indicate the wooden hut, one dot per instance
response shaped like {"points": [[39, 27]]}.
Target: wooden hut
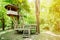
{"points": [[12, 11]]}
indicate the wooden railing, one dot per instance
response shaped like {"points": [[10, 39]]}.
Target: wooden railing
{"points": [[25, 27]]}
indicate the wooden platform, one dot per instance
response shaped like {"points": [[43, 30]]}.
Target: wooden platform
{"points": [[26, 29]]}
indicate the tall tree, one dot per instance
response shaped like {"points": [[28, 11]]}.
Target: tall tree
{"points": [[37, 15]]}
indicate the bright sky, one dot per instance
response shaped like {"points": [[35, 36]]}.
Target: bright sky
{"points": [[30, 1]]}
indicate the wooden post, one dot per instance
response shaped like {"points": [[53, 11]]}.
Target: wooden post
{"points": [[12, 21], [37, 15]]}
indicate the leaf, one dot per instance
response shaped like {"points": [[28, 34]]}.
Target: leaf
{"points": [[20, 1]]}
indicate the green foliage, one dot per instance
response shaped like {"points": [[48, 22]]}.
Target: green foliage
{"points": [[24, 9], [22, 4], [0, 23], [50, 16]]}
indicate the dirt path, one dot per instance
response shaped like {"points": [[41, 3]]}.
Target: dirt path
{"points": [[49, 36], [3, 32], [42, 36]]}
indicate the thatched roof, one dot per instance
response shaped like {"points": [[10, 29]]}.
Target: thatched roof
{"points": [[12, 7]]}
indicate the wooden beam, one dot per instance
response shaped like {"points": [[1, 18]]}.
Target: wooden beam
{"points": [[37, 15]]}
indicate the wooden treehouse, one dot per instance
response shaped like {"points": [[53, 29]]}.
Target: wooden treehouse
{"points": [[12, 11]]}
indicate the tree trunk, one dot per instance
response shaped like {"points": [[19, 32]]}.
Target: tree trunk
{"points": [[37, 15], [3, 27]]}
